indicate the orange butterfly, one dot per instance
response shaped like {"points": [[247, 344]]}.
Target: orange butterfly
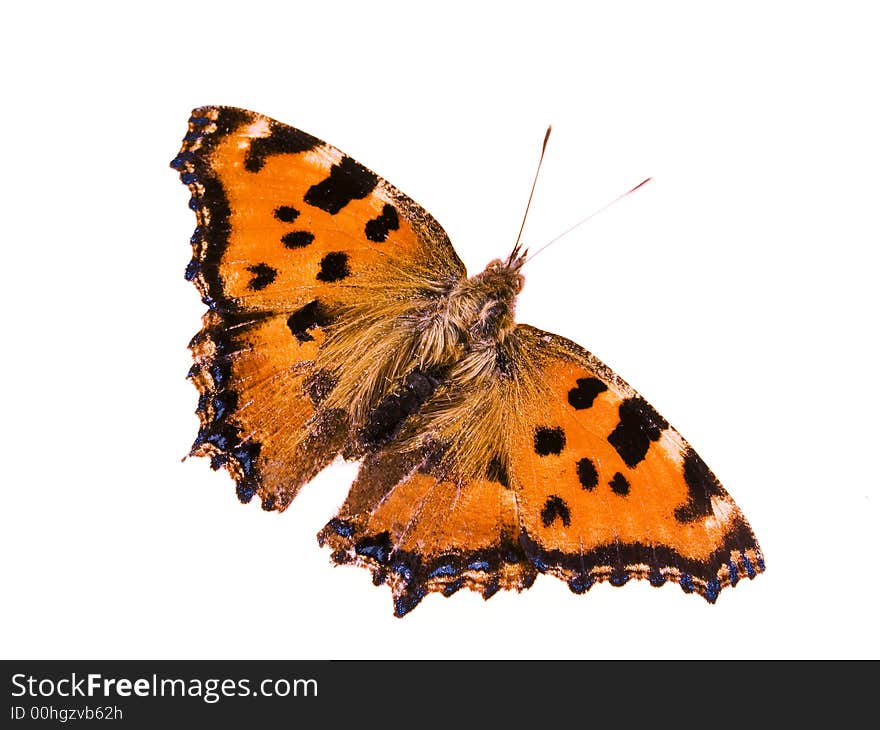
{"points": [[341, 321]]}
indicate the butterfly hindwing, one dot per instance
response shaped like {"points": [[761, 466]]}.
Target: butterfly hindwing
{"points": [[564, 469], [294, 239], [421, 532], [241, 363]]}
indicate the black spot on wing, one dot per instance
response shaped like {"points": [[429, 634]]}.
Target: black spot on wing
{"points": [[297, 239], [302, 320], [341, 527], [702, 485], [619, 484], [555, 508], [334, 267], [286, 213], [549, 440], [348, 181], [639, 425], [263, 276], [587, 474], [586, 392], [378, 547], [496, 471], [229, 119], [282, 140], [378, 228]]}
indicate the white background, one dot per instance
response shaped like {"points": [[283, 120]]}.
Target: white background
{"points": [[737, 292]]}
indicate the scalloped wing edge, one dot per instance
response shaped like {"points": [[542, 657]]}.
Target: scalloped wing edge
{"points": [[514, 564]]}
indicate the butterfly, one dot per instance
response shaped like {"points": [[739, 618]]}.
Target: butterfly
{"points": [[341, 321]]}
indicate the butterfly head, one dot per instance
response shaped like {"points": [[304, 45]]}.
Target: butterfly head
{"points": [[486, 301], [502, 277]]}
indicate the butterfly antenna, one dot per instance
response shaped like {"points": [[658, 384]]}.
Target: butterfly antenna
{"points": [[592, 215], [518, 246]]}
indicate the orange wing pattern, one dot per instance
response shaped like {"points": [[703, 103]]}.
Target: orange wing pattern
{"points": [[607, 490], [340, 320], [589, 483], [421, 532], [293, 237]]}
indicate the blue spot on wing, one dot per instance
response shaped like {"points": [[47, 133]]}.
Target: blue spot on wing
{"points": [[734, 574], [223, 404], [686, 582], [373, 551], [713, 587], [246, 456], [478, 565], [218, 374], [441, 570], [453, 587], [750, 569], [405, 603], [215, 438], [341, 527], [580, 584], [181, 159]]}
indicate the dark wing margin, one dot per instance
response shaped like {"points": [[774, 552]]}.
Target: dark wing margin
{"points": [[227, 329], [469, 540]]}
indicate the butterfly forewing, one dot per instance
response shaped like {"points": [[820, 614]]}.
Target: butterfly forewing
{"points": [[607, 489], [293, 237]]}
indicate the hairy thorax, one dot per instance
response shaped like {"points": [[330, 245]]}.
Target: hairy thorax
{"points": [[390, 368], [472, 319]]}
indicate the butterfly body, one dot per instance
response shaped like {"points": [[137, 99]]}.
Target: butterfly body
{"points": [[341, 322]]}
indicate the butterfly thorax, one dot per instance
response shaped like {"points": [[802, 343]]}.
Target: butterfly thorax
{"points": [[477, 312]]}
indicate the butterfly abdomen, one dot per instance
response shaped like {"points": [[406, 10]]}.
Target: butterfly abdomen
{"points": [[386, 419]]}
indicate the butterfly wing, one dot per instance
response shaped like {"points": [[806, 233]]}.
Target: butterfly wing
{"points": [[294, 240], [529, 456], [608, 490], [560, 468], [419, 531]]}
